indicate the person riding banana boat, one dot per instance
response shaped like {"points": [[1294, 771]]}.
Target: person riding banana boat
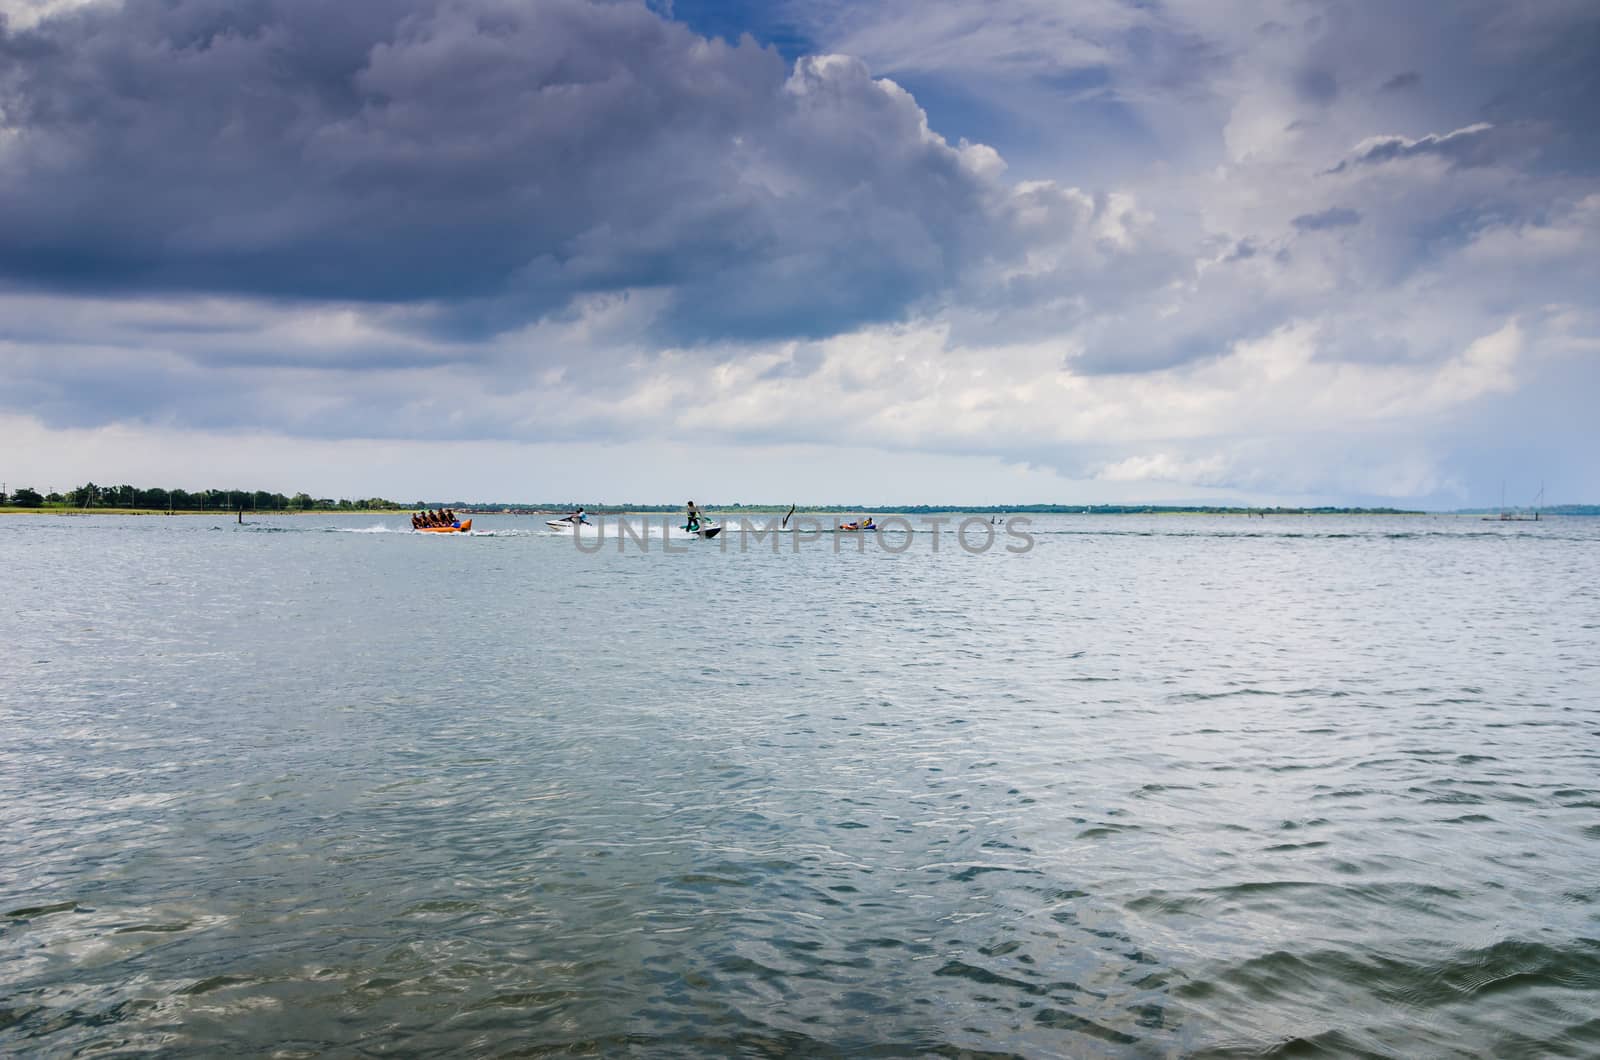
{"points": [[864, 524], [442, 517]]}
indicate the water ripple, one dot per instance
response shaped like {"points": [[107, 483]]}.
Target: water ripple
{"points": [[1187, 786]]}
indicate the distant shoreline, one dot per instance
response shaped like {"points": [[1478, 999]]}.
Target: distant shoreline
{"points": [[1006, 513]]}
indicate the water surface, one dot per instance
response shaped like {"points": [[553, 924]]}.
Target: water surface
{"points": [[1160, 786]]}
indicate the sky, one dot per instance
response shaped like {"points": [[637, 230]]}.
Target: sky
{"points": [[906, 251]]}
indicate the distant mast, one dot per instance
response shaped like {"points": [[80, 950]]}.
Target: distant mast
{"points": [[1508, 516]]}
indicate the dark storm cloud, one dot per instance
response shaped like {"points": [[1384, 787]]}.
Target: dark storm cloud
{"points": [[493, 155], [1518, 83], [1332, 217], [1554, 84]]}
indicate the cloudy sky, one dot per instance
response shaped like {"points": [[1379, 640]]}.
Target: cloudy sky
{"points": [[1287, 251]]}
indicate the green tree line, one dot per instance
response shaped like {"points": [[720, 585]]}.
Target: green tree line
{"points": [[90, 496]]}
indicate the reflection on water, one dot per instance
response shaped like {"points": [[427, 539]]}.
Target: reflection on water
{"points": [[1161, 785]]}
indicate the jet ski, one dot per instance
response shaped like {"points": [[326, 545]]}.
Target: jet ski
{"points": [[704, 532]]}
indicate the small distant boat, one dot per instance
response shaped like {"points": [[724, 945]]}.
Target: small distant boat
{"points": [[1508, 516], [459, 528]]}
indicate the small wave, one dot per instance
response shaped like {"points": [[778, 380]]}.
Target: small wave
{"points": [[1037, 530], [33, 911]]}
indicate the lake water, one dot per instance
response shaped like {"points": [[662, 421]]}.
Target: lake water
{"points": [[1157, 786]]}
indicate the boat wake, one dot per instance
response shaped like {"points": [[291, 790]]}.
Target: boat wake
{"points": [[406, 531]]}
